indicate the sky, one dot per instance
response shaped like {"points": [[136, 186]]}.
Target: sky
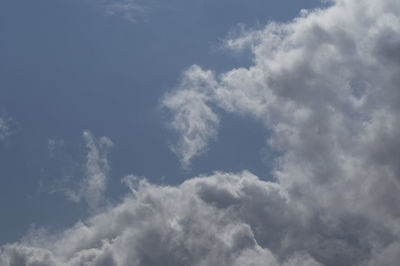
{"points": [[201, 133]]}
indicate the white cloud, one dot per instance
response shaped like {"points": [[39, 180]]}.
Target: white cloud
{"points": [[92, 187], [204, 221], [193, 118], [326, 85]]}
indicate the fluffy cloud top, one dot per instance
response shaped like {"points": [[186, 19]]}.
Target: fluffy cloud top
{"points": [[326, 85]]}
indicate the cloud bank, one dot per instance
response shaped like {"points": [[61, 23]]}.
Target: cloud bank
{"points": [[326, 85]]}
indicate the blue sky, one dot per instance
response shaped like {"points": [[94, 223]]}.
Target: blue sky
{"points": [[67, 66], [224, 132]]}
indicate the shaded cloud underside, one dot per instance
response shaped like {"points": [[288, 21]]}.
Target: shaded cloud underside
{"points": [[326, 85]]}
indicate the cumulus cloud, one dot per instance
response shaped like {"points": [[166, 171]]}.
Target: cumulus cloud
{"points": [[326, 85], [93, 185], [205, 221]]}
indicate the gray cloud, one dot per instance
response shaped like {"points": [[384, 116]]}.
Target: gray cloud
{"points": [[326, 85], [250, 222], [181, 225]]}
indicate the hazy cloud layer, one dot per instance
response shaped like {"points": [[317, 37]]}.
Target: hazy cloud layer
{"points": [[326, 85]]}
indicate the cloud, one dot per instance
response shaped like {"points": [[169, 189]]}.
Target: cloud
{"points": [[92, 187], [127, 9], [326, 85], [5, 130], [204, 221], [193, 118]]}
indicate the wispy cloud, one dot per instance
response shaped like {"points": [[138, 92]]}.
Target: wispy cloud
{"points": [[128, 9], [93, 185], [193, 118], [5, 130]]}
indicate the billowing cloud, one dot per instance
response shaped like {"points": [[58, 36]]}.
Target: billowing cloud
{"points": [[326, 85], [216, 220], [223, 219]]}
